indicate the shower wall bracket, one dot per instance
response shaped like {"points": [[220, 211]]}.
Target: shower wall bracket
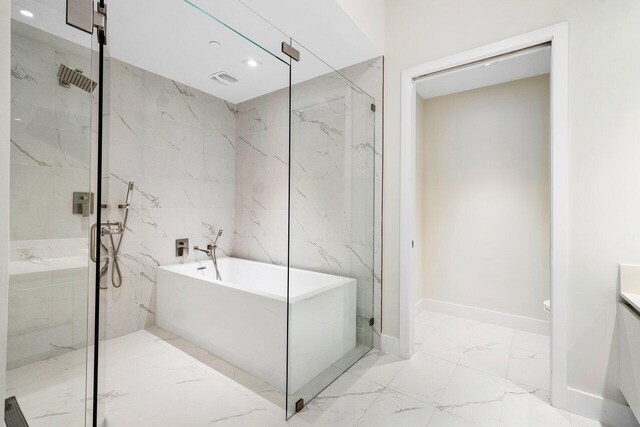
{"points": [[81, 15], [291, 51]]}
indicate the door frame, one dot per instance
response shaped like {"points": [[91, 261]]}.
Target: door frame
{"points": [[559, 182]]}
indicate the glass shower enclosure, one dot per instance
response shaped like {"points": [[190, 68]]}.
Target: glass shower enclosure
{"points": [[234, 254]]}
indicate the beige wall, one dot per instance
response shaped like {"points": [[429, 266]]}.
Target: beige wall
{"points": [[5, 98], [604, 106], [485, 210]]}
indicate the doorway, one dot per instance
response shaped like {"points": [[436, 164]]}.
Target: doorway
{"points": [[554, 39]]}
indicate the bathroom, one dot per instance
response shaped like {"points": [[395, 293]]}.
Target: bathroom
{"points": [[310, 214]]}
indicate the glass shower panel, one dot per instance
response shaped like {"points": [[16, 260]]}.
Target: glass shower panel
{"points": [[197, 118], [331, 260], [52, 210]]}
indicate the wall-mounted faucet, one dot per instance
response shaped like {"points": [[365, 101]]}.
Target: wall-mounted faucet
{"points": [[207, 251], [211, 253]]}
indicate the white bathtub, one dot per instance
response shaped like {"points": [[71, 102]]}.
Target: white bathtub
{"points": [[243, 319]]}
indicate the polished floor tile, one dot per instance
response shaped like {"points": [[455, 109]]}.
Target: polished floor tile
{"points": [[464, 373]]}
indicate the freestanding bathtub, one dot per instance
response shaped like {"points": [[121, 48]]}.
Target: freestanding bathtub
{"points": [[243, 318]]}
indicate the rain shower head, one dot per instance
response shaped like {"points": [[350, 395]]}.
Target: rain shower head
{"points": [[67, 76]]}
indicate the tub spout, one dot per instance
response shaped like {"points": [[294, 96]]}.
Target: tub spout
{"points": [[206, 251]]}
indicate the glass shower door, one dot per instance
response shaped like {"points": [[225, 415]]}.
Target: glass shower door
{"points": [[198, 119], [52, 208], [331, 243]]}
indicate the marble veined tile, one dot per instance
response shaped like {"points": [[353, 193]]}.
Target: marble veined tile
{"points": [[424, 378], [474, 396], [444, 344], [530, 368], [487, 357], [340, 404], [392, 409], [530, 406], [430, 318], [532, 342], [378, 367], [488, 333]]}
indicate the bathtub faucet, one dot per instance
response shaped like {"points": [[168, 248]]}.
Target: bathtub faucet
{"points": [[207, 251], [211, 253]]}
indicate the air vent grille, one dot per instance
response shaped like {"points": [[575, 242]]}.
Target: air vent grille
{"points": [[224, 78]]}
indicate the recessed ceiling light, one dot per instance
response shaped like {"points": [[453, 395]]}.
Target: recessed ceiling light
{"points": [[215, 44], [27, 13], [251, 62]]}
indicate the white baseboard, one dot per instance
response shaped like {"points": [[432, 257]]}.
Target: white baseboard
{"points": [[389, 344], [506, 320], [598, 408]]}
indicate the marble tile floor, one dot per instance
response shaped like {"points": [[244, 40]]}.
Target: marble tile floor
{"points": [[464, 373]]}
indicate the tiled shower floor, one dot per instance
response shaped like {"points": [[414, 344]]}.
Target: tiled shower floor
{"points": [[464, 373]]}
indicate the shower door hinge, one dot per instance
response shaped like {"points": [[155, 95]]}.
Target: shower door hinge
{"points": [[373, 107], [299, 405], [81, 15], [371, 321], [291, 51], [100, 22]]}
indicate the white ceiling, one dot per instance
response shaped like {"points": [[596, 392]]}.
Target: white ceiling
{"points": [[528, 63], [171, 38]]}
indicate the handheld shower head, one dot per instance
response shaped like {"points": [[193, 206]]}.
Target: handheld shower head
{"points": [[215, 242], [129, 198], [130, 192]]}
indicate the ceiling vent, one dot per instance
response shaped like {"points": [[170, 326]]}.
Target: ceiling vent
{"points": [[223, 77]]}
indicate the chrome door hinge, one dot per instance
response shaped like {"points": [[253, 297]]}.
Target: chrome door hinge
{"points": [[371, 321], [291, 51], [373, 107]]}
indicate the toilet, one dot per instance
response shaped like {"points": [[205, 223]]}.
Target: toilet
{"points": [[547, 308]]}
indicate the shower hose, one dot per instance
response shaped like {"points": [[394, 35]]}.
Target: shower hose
{"points": [[116, 274]]}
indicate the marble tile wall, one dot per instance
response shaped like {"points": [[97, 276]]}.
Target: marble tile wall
{"points": [[178, 145], [199, 164], [50, 159]]}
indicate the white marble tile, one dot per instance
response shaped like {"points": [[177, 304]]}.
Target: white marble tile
{"points": [[378, 367], [474, 396], [445, 344], [532, 342], [488, 333], [528, 406], [442, 418], [459, 324], [422, 332], [392, 409], [530, 368], [492, 358], [340, 404], [424, 378]]}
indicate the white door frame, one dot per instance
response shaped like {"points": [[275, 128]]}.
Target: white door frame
{"points": [[559, 181]]}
